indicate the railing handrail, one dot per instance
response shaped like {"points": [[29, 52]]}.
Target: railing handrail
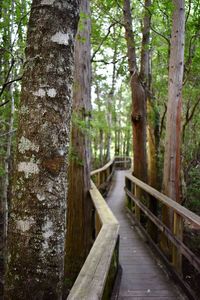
{"points": [[104, 212], [169, 243], [181, 210], [90, 283], [106, 166]]}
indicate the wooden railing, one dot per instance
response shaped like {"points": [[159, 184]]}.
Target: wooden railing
{"points": [[133, 187], [97, 276], [102, 176]]}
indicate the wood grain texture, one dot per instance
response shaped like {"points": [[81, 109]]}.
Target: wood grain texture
{"points": [[92, 278]]}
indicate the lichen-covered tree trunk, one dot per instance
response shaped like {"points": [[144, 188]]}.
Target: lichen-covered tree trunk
{"points": [[79, 214], [138, 100], [171, 175], [38, 208]]}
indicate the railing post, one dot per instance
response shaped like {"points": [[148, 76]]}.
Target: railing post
{"points": [[137, 209], [151, 227], [178, 232], [128, 185], [98, 179], [98, 224], [107, 174]]}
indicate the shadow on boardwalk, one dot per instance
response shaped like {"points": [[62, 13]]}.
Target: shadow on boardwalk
{"points": [[142, 275]]}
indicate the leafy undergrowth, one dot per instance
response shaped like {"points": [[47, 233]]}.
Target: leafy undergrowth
{"points": [[190, 274]]}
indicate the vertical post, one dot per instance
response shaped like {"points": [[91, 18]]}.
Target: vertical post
{"points": [[111, 168], [98, 179], [178, 232], [104, 176], [151, 227], [107, 173], [137, 209], [98, 224], [128, 185], [101, 178]]}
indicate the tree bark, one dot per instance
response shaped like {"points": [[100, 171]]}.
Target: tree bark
{"points": [[111, 103], [145, 75], [138, 100], [171, 175], [38, 208], [79, 214]]}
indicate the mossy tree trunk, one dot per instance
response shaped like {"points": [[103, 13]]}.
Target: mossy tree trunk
{"points": [[38, 208], [79, 214]]}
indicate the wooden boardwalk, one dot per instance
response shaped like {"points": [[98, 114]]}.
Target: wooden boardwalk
{"points": [[142, 275]]}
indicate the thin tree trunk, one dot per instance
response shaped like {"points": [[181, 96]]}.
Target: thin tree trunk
{"points": [[38, 209], [7, 159], [111, 102], [7, 172], [79, 214], [101, 147]]}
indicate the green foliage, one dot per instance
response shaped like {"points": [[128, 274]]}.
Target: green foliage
{"points": [[74, 157], [193, 191], [81, 121]]}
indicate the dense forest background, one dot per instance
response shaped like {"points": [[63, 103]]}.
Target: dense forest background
{"points": [[111, 100], [110, 130]]}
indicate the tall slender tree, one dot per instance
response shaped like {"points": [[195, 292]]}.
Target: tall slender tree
{"points": [[171, 175], [79, 214], [38, 208], [138, 116]]}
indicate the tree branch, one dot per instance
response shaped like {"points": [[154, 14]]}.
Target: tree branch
{"points": [[8, 133], [162, 120], [189, 116], [4, 103], [8, 83], [109, 62], [153, 29], [102, 41]]}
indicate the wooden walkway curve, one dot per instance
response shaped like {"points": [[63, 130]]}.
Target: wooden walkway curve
{"points": [[142, 275]]}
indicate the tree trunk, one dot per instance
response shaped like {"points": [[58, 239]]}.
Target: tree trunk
{"points": [[111, 103], [79, 214], [101, 147], [145, 75], [138, 101], [38, 208], [171, 175]]}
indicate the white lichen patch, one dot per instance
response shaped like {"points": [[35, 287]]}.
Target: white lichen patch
{"points": [[47, 2], [50, 187], [61, 151], [51, 93], [40, 93], [61, 38], [26, 145], [47, 230], [41, 197], [24, 225], [24, 110], [29, 168]]}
